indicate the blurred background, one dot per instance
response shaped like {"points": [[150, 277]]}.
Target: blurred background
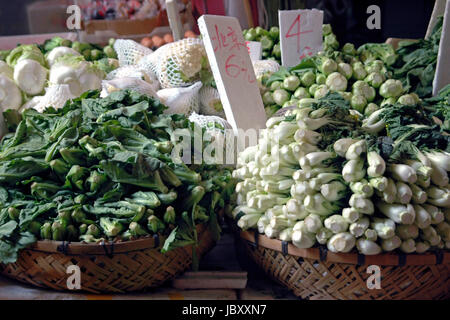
{"points": [[400, 18]]}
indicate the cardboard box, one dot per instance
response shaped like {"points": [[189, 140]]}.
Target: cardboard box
{"points": [[48, 16]]}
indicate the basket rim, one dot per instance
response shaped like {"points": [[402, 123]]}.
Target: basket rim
{"points": [[322, 254], [103, 248]]}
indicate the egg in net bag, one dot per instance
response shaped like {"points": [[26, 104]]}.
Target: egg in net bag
{"points": [[182, 100], [219, 132], [210, 103], [129, 52], [134, 72], [55, 96], [180, 63], [136, 84]]}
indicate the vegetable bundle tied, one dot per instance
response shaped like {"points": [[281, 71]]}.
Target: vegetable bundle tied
{"points": [[102, 169]]}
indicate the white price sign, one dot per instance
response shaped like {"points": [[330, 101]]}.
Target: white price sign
{"points": [[233, 72], [254, 50], [300, 34], [442, 75]]}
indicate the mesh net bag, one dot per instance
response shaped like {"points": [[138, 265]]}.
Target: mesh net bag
{"points": [[265, 66], [141, 86], [129, 52], [180, 62], [55, 96], [181, 100], [210, 103], [149, 63], [134, 72]]}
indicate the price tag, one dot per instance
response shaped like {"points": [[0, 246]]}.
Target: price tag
{"points": [[442, 75], [300, 35], [233, 72], [254, 50]]}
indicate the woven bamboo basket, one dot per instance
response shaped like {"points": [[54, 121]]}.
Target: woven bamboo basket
{"points": [[320, 274], [111, 267]]}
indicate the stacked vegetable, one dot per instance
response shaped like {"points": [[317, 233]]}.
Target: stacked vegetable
{"points": [[38, 76], [362, 76], [102, 169], [323, 174], [270, 41]]}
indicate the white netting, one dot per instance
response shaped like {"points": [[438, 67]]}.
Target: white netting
{"points": [[129, 52], [210, 103], [55, 96], [149, 63], [141, 86], [263, 66], [134, 72], [180, 62], [181, 100]]}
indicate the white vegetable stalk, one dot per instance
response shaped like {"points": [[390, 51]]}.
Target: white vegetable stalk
{"points": [[301, 238], [371, 234], [402, 214], [438, 197], [286, 234], [367, 247], [263, 222], [407, 231], [408, 246], [373, 124], [422, 247], [323, 235], [248, 221], [385, 228], [302, 189], [389, 194], [271, 232], [424, 183], [341, 242], [341, 146], [439, 159], [418, 195], [429, 234], [274, 212], [423, 218], [294, 210], [30, 76], [302, 175], [336, 223], [355, 150], [439, 176], [423, 172], [391, 244], [280, 222], [362, 204], [353, 170], [318, 204], [315, 159], [403, 172], [362, 187], [246, 210], [313, 223], [308, 136], [350, 214], [333, 191], [436, 215], [404, 193], [443, 229], [379, 183], [272, 122], [300, 149], [359, 227], [323, 178]]}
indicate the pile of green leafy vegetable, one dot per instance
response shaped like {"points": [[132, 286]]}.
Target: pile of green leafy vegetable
{"points": [[416, 62], [101, 169]]}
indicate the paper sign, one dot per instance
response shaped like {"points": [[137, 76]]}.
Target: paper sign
{"points": [[300, 35], [254, 50], [233, 72], [442, 75], [174, 19]]}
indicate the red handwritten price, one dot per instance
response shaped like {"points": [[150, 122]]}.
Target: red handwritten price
{"points": [[296, 24], [224, 40], [234, 68]]}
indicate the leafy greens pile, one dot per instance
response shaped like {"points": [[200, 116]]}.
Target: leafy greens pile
{"points": [[101, 169]]}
